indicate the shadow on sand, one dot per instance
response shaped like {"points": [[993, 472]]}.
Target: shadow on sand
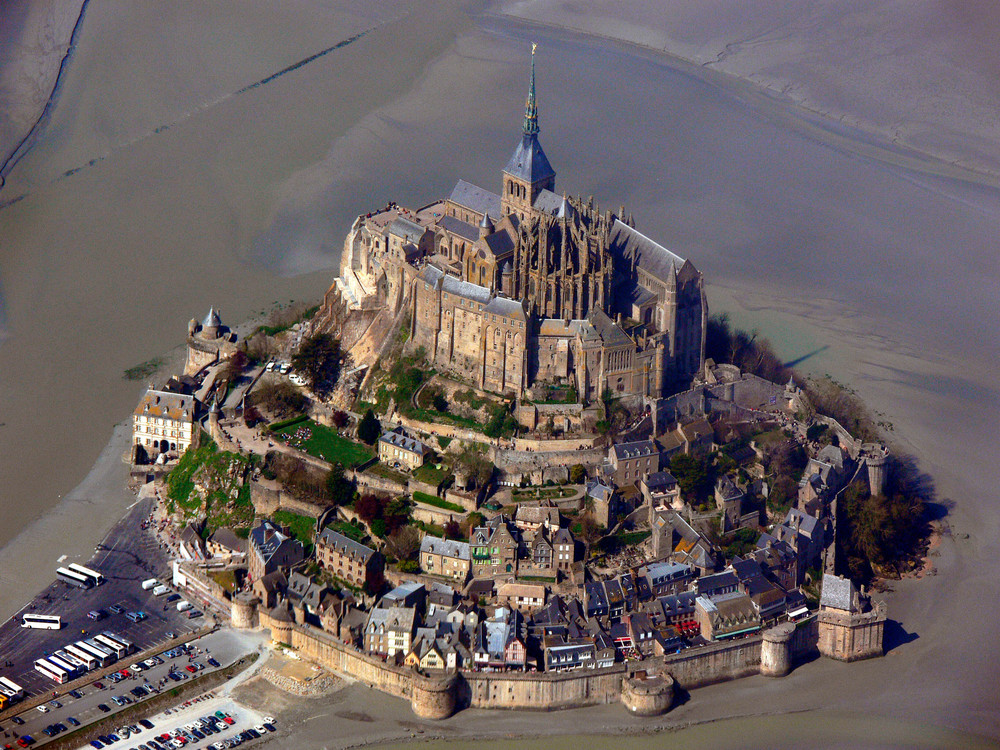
{"points": [[804, 357], [895, 635]]}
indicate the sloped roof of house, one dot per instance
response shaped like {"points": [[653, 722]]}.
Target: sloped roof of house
{"points": [[166, 405], [227, 538], [345, 545], [445, 547], [400, 440], [637, 449], [838, 593]]}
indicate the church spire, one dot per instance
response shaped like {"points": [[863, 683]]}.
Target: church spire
{"points": [[530, 109]]}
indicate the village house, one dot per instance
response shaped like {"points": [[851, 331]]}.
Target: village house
{"points": [[605, 501], [224, 543], [499, 644], [659, 488], [692, 438], [524, 597], [531, 518], [271, 550], [563, 550], [630, 462], [726, 616], [445, 557], [347, 559], [163, 424], [395, 448], [493, 549], [390, 631]]}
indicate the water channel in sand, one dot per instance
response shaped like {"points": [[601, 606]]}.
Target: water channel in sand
{"points": [[190, 195]]}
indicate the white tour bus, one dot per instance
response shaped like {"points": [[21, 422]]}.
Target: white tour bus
{"points": [[73, 578], [86, 657], [70, 669], [101, 649], [41, 622], [78, 664], [129, 646], [93, 575], [103, 657], [116, 648], [50, 670]]}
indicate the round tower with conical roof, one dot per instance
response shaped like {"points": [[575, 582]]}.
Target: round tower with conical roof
{"points": [[211, 324]]}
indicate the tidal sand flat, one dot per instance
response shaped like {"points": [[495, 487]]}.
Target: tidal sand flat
{"points": [[183, 193], [139, 203]]}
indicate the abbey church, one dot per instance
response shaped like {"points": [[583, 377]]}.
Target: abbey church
{"points": [[529, 286]]}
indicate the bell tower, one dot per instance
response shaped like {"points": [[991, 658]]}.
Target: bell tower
{"points": [[528, 172]]}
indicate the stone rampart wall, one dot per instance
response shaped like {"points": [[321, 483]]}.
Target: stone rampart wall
{"points": [[715, 662], [326, 650], [692, 668], [544, 691]]}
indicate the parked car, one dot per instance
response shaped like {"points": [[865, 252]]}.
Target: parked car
{"points": [[145, 723], [103, 708], [73, 720], [117, 608], [43, 708]]}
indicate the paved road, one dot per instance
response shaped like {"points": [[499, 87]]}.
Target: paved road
{"points": [[225, 646], [127, 556]]}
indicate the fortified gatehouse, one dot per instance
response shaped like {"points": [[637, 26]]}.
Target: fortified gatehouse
{"points": [[528, 286]]}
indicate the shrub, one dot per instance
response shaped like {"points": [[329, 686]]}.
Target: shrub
{"points": [[369, 430]]}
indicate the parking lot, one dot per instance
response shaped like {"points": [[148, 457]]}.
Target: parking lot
{"points": [[129, 555], [224, 647], [189, 722]]}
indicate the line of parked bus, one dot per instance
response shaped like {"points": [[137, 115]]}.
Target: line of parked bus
{"points": [[10, 692], [74, 659], [80, 576]]}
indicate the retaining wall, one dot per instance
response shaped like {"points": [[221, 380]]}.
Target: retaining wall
{"points": [[715, 662], [544, 691], [268, 496]]}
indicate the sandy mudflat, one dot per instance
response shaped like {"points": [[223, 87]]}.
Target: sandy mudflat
{"points": [[922, 73], [34, 37], [875, 265]]}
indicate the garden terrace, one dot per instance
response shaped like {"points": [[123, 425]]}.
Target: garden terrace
{"points": [[322, 442], [423, 497]]}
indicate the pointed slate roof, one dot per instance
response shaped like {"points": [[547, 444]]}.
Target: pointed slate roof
{"points": [[212, 319], [529, 162]]}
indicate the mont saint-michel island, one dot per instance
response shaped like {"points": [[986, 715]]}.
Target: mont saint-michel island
{"points": [[510, 460]]}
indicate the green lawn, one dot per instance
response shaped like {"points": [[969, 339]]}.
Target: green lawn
{"points": [[381, 470], [430, 474], [324, 442], [302, 527], [429, 528], [423, 497]]}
